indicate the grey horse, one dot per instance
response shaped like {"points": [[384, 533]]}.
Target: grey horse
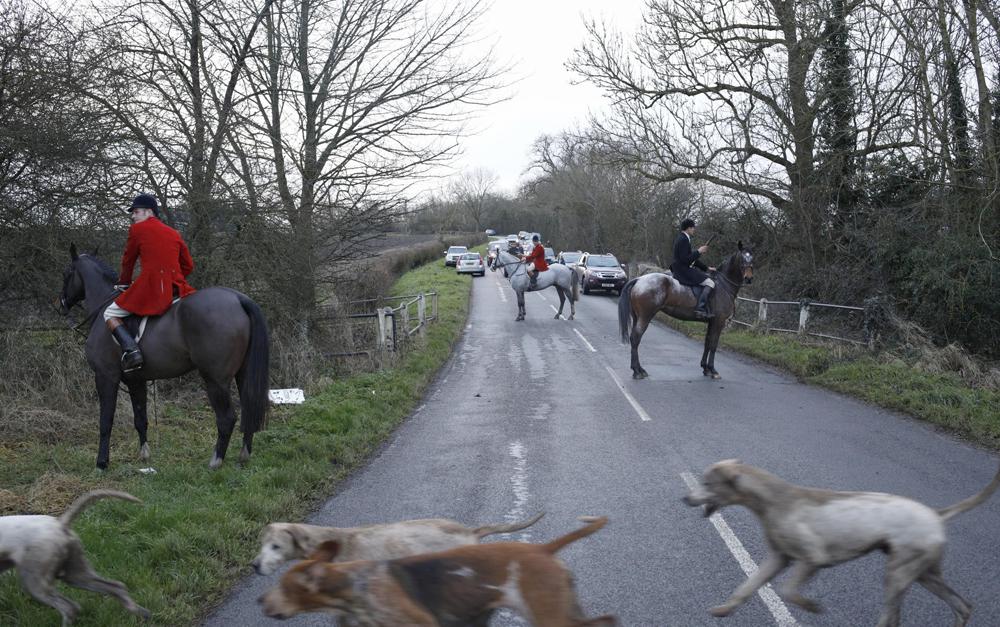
{"points": [[217, 331], [566, 282]]}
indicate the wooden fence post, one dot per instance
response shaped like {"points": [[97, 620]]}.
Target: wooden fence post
{"points": [[382, 335], [406, 321], [421, 314], [803, 315], [762, 314]]}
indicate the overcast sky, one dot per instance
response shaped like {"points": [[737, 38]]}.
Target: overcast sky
{"points": [[536, 38]]}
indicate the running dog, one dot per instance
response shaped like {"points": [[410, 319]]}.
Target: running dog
{"points": [[44, 548], [286, 541], [458, 587], [819, 528]]}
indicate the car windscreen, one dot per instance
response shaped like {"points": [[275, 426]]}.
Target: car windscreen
{"points": [[472, 256], [571, 257], [457, 249], [549, 252], [602, 261]]}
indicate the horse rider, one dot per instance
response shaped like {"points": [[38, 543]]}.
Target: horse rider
{"points": [[689, 270], [514, 248], [166, 263], [536, 261]]}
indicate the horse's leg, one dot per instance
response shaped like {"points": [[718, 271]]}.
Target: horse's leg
{"points": [[107, 392], [137, 392], [225, 418], [562, 301], [714, 332], [639, 324], [520, 306]]}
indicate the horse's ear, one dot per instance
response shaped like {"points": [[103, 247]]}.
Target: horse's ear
{"points": [[96, 250], [739, 244], [72, 252]]}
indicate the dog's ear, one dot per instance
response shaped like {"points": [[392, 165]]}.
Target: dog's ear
{"points": [[326, 551]]}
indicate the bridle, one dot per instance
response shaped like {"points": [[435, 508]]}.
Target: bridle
{"points": [[728, 284]]}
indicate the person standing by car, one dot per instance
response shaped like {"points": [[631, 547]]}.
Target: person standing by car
{"points": [[689, 270], [165, 262], [536, 261]]}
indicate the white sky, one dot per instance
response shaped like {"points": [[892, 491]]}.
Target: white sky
{"points": [[536, 38]]}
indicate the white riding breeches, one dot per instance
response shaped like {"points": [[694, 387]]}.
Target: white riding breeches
{"points": [[531, 267], [708, 283], [114, 311]]}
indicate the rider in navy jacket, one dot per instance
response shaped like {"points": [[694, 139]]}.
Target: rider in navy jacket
{"points": [[688, 269]]}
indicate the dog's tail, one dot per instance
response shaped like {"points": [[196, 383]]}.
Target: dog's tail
{"points": [[595, 524], [85, 500], [487, 530], [964, 506]]}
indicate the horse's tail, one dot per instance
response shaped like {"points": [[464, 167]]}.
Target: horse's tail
{"points": [[625, 310], [254, 371], [576, 285]]}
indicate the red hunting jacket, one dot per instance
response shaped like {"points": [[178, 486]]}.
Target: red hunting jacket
{"points": [[165, 262], [537, 256]]}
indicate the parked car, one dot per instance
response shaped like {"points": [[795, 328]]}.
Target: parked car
{"points": [[471, 263], [550, 255], [569, 258], [490, 232], [453, 253], [601, 272]]}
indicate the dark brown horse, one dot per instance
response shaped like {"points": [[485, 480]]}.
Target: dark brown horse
{"points": [[217, 331], [641, 298]]}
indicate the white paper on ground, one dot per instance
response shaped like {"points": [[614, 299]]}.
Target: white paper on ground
{"points": [[288, 396]]}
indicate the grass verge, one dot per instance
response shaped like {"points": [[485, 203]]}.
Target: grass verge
{"points": [[197, 530], [940, 398]]}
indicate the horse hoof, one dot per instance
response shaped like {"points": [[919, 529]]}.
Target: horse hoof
{"points": [[716, 375], [706, 373], [215, 463], [556, 317], [244, 455], [102, 465], [572, 316], [144, 452], [641, 374]]}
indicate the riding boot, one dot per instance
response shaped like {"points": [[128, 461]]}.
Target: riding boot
{"points": [[131, 356], [701, 310], [534, 281]]}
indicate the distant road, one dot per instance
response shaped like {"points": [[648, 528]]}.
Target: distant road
{"points": [[543, 415]]}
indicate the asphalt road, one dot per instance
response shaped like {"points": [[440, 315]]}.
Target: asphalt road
{"points": [[542, 415]]}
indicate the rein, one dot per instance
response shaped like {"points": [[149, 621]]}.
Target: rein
{"points": [[79, 327]]}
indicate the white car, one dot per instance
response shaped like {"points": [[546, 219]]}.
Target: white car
{"points": [[453, 253], [471, 263]]}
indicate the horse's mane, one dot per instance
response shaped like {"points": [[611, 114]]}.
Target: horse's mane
{"points": [[107, 271]]}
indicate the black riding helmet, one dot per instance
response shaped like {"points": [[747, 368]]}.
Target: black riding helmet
{"points": [[145, 201]]}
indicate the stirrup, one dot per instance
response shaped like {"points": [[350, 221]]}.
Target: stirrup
{"points": [[131, 360]]}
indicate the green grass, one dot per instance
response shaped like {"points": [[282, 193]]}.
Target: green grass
{"points": [[197, 530], [942, 399]]}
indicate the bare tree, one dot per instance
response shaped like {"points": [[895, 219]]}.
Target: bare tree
{"points": [[472, 191], [353, 99]]}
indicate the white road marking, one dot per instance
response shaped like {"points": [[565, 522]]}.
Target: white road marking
{"points": [[776, 606], [557, 311], [589, 345], [519, 484], [503, 295], [542, 295], [631, 399]]}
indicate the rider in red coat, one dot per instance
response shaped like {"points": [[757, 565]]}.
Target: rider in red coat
{"points": [[165, 264], [536, 261]]}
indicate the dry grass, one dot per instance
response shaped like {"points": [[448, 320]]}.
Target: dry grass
{"points": [[915, 346]]}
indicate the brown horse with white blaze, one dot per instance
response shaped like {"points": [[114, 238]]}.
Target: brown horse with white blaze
{"points": [[642, 297]]}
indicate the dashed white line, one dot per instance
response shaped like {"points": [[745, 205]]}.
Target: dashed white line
{"points": [[776, 606], [631, 399], [589, 345], [503, 296]]}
